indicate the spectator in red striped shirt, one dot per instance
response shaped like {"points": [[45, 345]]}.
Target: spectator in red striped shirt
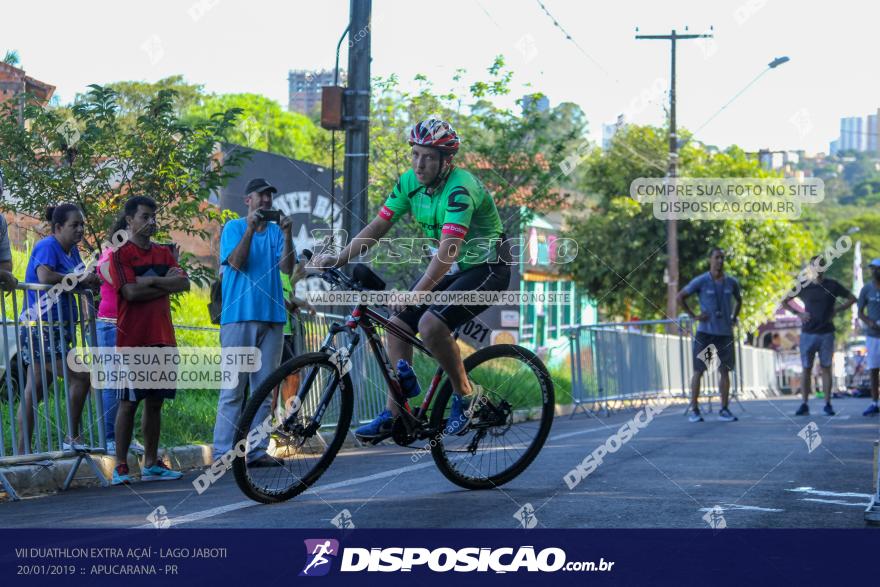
{"points": [[145, 274]]}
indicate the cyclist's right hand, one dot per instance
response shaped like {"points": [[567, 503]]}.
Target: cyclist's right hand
{"points": [[325, 262]]}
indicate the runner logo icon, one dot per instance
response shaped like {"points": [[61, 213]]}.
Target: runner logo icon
{"points": [[319, 554]]}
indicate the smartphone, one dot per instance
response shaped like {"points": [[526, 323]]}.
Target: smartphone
{"points": [[269, 215]]}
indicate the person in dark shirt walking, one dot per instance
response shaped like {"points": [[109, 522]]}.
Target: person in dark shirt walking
{"points": [[817, 331]]}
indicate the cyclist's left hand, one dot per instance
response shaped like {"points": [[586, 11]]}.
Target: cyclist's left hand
{"points": [[324, 262]]}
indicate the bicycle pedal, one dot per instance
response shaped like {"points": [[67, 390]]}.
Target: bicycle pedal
{"points": [[374, 440]]}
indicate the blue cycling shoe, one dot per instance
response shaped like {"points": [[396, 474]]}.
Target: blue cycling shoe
{"points": [[380, 427]]}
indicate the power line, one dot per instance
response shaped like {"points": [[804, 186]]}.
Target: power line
{"points": [[576, 44], [483, 8]]}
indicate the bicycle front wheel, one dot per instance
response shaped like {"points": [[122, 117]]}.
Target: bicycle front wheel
{"points": [[510, 418], [281, 448]]}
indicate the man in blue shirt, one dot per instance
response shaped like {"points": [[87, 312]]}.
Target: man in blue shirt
{"points": [[869, 313], [252, 250], [720, 303]]}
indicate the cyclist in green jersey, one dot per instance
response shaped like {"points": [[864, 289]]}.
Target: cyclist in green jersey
{"points": [[453, 208]]}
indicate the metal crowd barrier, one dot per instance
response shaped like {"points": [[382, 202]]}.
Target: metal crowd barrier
{"points": [[47, 440], [44, 326], [616, 361]]}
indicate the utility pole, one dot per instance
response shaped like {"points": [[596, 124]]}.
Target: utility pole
{"points": [[357, 118], [672, 173]]}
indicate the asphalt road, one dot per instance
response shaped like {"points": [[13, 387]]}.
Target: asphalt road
{"points": [[758, 471]]}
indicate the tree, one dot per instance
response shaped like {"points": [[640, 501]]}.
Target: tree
{"points": [[133, 97], [11, 58], [263, 125], [517, 155], [96, 160], [622, 255]]}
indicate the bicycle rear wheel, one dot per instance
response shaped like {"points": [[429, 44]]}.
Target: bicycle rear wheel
{"points": [[281, 451], [510, 421]]}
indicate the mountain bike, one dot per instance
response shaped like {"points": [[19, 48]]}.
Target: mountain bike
{"points": [[301, 434]]}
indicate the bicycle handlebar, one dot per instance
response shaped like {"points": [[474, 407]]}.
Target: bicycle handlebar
{"points": [[331, 275]]}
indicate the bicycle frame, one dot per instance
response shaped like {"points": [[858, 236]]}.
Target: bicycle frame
{"points": [[366, 319]]}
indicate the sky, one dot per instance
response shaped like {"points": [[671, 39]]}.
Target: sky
{"points": [[249, 46]]}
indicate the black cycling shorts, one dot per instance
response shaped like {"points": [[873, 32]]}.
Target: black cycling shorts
{"points": [[486, 277]]}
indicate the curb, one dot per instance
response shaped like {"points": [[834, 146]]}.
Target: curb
{"points": [[48, 476]]}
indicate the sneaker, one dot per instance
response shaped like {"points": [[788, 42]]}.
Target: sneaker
{"points": [[695, 416], [136, 447], [459, 416], [829, 411], [725, 415], [111, 447], [160, 472], [380, 426], [872, 410], [120, 475], [804, 410]]}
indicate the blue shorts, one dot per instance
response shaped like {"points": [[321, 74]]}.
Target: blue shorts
{"points": [[37, 342], [811, 344]]}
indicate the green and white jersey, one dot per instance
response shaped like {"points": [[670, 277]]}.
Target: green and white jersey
{"points": [[463, 208]]}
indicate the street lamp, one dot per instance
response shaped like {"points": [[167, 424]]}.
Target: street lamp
{"points": [[777, 62]]}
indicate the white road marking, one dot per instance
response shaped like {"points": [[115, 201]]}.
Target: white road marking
{"points": [[837, 502], [610, 430], [240, 505], [736, 506], [787, 419], [811, 491]]}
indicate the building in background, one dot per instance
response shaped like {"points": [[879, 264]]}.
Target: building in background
{"points": [[543, 270], [834, 147], [871, 134], [14, 84], [609, 130], [852, 134], [783, 160], [304, 88], [540, 101]]}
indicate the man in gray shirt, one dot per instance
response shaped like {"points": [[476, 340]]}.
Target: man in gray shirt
{"points": [[720, 303], [869, 313]]}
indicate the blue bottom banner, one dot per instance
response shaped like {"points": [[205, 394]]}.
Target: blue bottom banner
{"points": [[257, 558]]}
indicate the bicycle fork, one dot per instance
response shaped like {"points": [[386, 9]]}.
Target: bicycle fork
{"points": [[342, 360]]}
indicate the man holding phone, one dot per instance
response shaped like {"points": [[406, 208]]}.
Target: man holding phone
{"points": [[252, 250]]}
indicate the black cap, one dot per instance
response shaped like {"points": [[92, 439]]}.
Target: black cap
{"points": [[259, 185]]}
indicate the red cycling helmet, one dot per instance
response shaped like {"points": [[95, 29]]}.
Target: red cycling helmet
{"points": [[437, 134]]}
